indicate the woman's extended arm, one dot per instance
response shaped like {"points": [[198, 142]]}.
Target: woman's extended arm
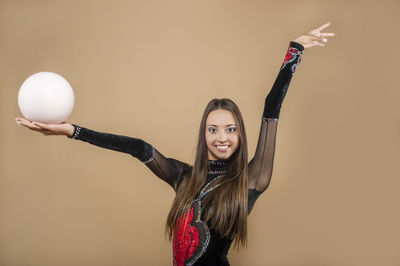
{"points": [[260, 166], [169, 170]]}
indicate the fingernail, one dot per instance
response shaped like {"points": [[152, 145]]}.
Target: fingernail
{"points": [[17, 122], [324, 40]]}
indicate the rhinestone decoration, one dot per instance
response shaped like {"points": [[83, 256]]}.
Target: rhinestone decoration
{"points": [[204, 236], [292, 55], [152, 156], [212, 172], [217, 167], [270, 120], [203, 192], [217, 162], [77, 129]]}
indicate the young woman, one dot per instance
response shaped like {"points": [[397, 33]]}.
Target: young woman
{"points": [[214, 195]]}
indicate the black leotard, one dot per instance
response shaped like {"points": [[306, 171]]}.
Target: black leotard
{"points": [[210, 248]]}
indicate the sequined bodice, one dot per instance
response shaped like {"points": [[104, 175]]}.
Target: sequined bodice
{"points": [[195, 243]]}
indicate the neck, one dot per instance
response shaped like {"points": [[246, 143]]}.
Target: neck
{"points": [[218, 166]]}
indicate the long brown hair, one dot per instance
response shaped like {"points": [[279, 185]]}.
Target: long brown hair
{"points": [[225, 208]]}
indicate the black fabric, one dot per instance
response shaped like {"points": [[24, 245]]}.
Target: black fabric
{"points": [[136, 147], [273, 101], [217, 250], [173, 171]]}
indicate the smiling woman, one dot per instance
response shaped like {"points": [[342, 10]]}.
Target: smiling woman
{"points": [[214, 195], [221, 134]]}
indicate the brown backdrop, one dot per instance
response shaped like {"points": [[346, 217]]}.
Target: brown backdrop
{"points": [[147, 69]]}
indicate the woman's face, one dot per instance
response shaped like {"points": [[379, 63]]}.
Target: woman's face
{"points": [[222, 134]]}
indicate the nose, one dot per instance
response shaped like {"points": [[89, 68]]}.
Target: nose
{"points": [[222, 136]]}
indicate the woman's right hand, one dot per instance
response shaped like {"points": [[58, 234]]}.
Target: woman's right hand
{"points": [[315, 37], [64, 128]]}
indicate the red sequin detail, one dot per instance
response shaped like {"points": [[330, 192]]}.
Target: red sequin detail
{"points": [[294, 51], [186, 239], [288, 56]]}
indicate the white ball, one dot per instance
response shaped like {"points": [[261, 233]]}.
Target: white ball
{"points": [[46, 97]]}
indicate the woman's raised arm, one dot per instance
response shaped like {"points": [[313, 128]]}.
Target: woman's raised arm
{"points": [[261, 165]]}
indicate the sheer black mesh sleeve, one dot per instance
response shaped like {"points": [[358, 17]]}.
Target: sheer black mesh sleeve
{"points": [[168, 169], [260, 166]]}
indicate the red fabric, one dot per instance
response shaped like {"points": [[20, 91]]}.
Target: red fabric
{"points": [[186, 239], [291, 53], [288, 56], [294, 50]]}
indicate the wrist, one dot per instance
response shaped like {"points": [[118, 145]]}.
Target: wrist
{"points": [[70, 131], [297, 44]]}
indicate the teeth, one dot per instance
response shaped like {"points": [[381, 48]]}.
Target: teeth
{"points": [[222, 147]]}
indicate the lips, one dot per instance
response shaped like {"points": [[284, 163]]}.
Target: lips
{"points": [[222, 148]]}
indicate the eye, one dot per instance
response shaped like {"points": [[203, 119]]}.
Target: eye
{"points": [[211, 130], [231, 129]]}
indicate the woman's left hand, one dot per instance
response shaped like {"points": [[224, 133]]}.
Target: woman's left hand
{"points": [[314, 37]]}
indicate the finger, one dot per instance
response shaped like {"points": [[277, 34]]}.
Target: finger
{"points": [[315, 33], [31, 127], [19, 119], [327, 34], [315, 38], [320, 39], [319, 44], [315, 43], [28, 124], [312, 39], [323, 26], [22, 122], [41, 125], [45, 129]]}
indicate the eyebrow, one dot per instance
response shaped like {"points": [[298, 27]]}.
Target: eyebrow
{"points": [[217, 126]]}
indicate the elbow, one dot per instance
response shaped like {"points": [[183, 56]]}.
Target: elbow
{"points": [[143, 151]]}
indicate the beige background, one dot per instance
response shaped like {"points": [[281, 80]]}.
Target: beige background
{"points": [[147, 69]]}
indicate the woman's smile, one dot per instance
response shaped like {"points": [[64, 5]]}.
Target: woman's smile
{"points": [[222, 148]]}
